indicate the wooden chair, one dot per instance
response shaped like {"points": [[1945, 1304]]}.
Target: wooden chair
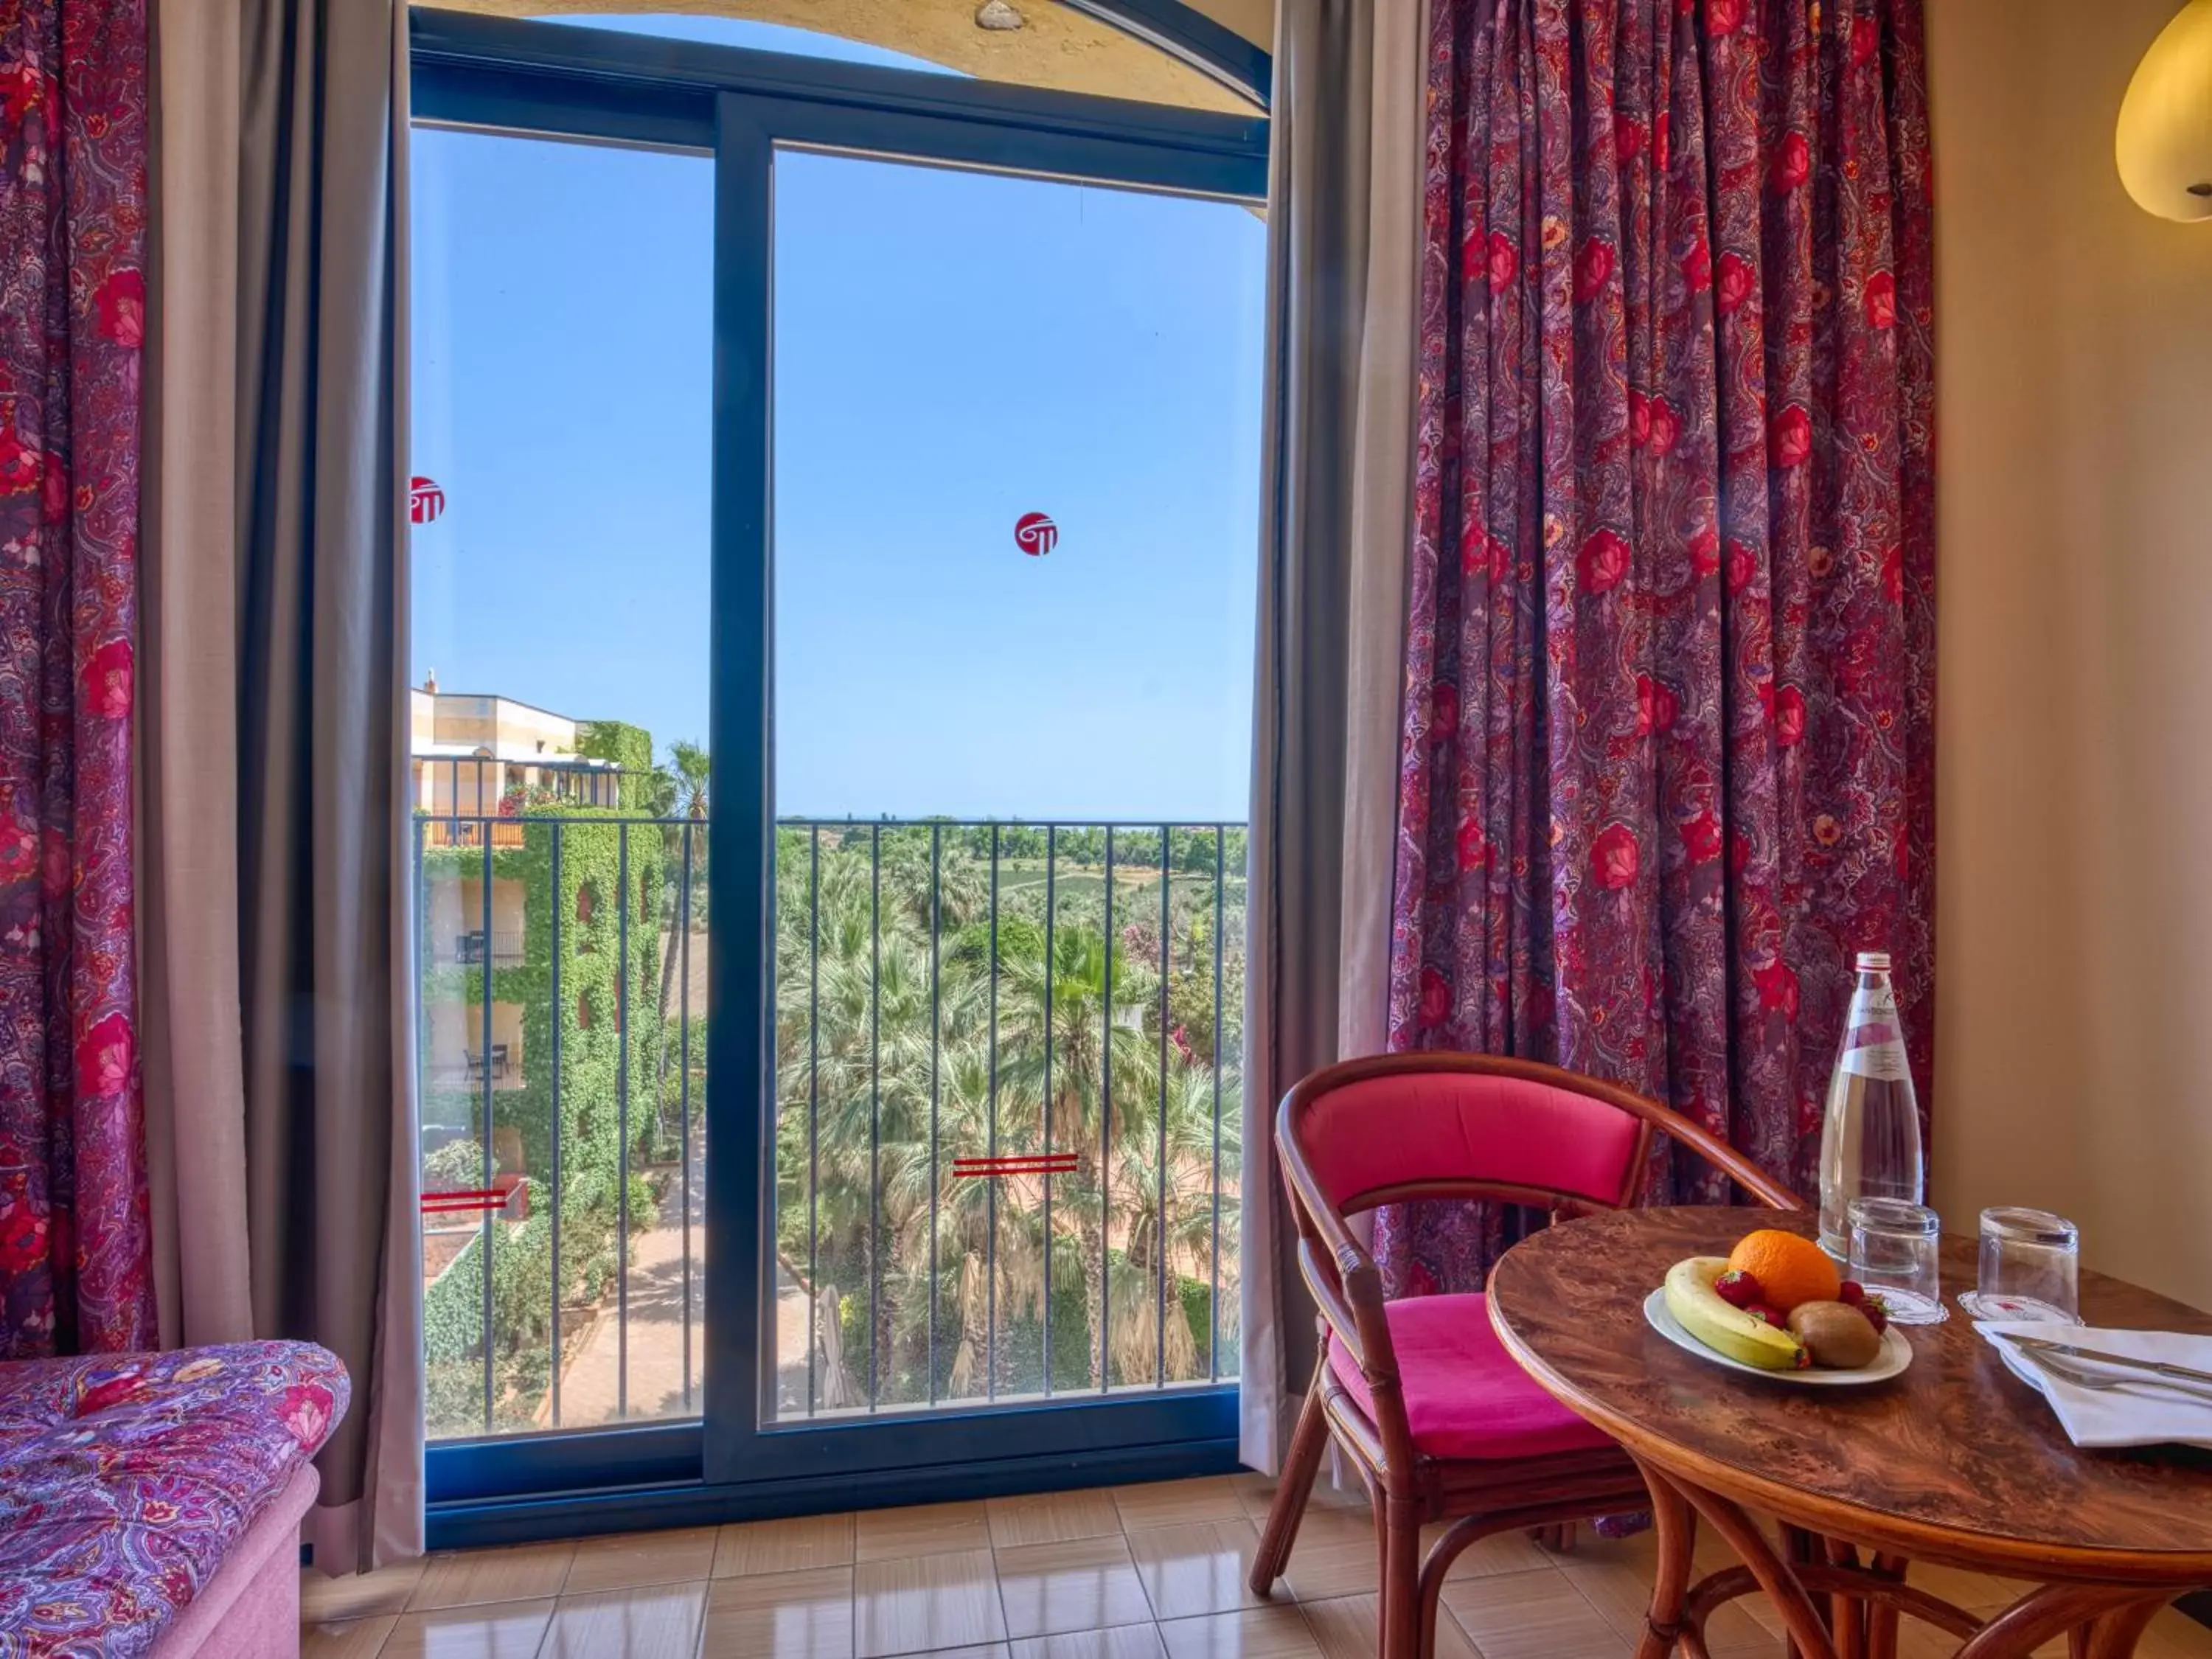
{"points": [[1440, 1422]]}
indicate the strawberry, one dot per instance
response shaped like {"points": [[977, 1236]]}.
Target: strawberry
{"points": [[1739, 1289], [1876, 1311], [1771, 1316], [1852, 1294]]}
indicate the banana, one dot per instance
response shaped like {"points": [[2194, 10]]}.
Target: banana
{"points": [[1697, 1306]]}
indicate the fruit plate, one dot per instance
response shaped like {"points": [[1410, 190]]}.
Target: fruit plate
{"points": [[1896, 1353]]}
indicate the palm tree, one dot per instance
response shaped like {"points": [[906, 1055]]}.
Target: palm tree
{"points": [[1096, 1110], [853, 1076], [874, 1099]]}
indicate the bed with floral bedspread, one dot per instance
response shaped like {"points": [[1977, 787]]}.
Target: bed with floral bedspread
{"points": [[125, 1479]]}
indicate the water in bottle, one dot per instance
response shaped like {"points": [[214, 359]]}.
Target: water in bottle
{"points": [[1870, 1141]]}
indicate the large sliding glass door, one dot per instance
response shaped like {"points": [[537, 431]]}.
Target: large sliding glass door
{"points": [[830, 882], [1007, 1082], [562, 406]]}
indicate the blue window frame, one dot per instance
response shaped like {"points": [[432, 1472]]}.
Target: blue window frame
{"points": [[737, 107]]}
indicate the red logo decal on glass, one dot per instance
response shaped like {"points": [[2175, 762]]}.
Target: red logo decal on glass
{"points": [[1035, 534], [425, 501], [465, 1199], [1045, 1164]]}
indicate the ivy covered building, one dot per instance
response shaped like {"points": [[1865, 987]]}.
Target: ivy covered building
{"points": [[550, 881]]}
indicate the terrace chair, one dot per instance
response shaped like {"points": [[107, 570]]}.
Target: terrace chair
{"points": [[1439, 1420]]}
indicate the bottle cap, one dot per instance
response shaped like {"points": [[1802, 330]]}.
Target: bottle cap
{"points": [[1874, 962]]}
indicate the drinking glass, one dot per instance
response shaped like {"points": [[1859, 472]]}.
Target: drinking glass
{"points": [[2030, 1265], [1894, 1247]]}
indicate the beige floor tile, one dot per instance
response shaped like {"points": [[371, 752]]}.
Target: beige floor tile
{"points": [[1257, 1493], [496, 1630], [1052, 1517], [632, 1560], [924, 1530], [1531, 1615], [1122, 1642], [796, 1545], [1918, 1641], [914, 1603], [1620, 1590], [1711, 1553], [1202, 1566], [1637, 1549], [661, 1622], [1334, 1555], [1081, 1583], [780, 1615], [1270, 1632], [1977, 1592], [1169, 1502], [1347, 1491], [530, 1572], [1503, 1552], [1760, 1611], [346, 1639], [2174, 1634], [1345, 1628], [323, 1599]]}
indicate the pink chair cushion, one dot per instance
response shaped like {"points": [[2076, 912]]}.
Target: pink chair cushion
{"points": [[1465, 1126], [1465, 1396]]}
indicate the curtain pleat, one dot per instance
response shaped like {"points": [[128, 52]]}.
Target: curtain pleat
{"points": [[1336, 515], [278, 598], [1667, 760], [75, 1257]]}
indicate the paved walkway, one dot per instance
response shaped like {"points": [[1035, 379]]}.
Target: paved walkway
{"points": [[593, 1378]]}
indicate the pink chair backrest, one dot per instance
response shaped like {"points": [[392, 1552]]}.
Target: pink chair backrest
{"points": [[1413, 1126]]}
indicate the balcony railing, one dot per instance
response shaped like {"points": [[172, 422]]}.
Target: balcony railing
{"points": [[466, 949], [562, 1153], [1006, 1099], [473, 1068]]}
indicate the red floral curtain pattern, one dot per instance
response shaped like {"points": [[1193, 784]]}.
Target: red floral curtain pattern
{"points": [[75, 1269], [1668, 754]]}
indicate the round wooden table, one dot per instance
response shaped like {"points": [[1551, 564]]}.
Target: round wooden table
{"points": [[1956, 1461]]}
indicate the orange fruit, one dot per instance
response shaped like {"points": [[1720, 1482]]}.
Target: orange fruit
{"points": [[1790, 1270]]}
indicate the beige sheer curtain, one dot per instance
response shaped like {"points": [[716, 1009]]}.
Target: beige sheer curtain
{"points": [[1344, 211], [274, 915]]}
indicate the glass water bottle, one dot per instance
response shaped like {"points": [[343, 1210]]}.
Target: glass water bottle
{"points": [[1870, 1141]]}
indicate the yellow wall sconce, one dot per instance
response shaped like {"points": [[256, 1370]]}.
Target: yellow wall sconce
{"points": [[2163, 144]]}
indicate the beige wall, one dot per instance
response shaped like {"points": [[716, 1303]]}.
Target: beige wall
{"points": [[2074, 402], [509, 726]]}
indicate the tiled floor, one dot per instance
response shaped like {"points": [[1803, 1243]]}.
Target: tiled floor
{"points": [[1130, 1572]]}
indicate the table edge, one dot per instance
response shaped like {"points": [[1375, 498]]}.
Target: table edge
{"points": [[1835, 1517]]}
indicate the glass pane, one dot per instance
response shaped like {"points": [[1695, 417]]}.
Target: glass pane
{"points": [[1016, 501], [562, 352], [1038, 43]]}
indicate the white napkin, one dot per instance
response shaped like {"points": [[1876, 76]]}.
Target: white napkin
{"points": [[2132, 1416]]}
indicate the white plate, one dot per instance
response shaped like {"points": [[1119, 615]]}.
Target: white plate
{"points": [[1896, 1353]]}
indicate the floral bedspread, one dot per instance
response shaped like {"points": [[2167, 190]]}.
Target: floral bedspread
{"points": [[126, 1478]]}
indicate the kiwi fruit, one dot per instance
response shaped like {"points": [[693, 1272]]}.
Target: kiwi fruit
{"points": [[1838, 1336]]}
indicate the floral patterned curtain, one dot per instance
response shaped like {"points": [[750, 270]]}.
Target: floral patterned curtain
{"points": [[1667, 754], [76, 1271]]}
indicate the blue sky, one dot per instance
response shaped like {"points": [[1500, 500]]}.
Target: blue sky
{"points": [[952, 350]]}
